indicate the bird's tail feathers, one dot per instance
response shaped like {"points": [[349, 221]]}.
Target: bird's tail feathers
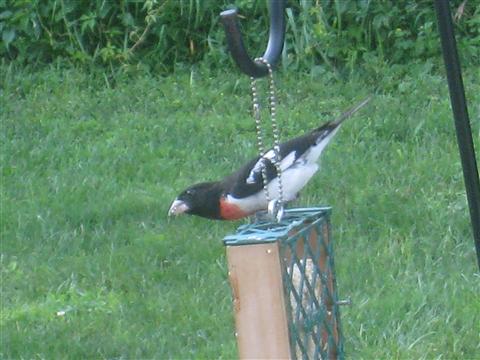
{"points": [[327, 131], [351, 111], [332, 125]]}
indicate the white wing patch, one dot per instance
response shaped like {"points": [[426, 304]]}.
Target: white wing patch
{"points": [[285, 163]]}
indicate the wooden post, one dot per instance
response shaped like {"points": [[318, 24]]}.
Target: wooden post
{"points": [[260, 313]]}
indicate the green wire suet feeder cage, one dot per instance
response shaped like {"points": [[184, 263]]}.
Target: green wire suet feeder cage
{"points": [[284, 289]]}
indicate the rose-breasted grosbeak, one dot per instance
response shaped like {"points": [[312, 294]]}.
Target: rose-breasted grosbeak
{"points": [[241, 194]]}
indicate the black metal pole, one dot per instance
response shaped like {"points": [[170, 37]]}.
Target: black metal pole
{"points": [[460, 114]]}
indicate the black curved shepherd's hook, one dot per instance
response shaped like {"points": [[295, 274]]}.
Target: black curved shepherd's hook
{"points": [[275, 39]]}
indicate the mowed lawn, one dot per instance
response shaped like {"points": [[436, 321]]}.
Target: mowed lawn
{"points": [[92, 268]]}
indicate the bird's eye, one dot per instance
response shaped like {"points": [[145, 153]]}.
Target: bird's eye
{"points": [[189, 192]]}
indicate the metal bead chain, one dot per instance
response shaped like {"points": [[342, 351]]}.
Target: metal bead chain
{"points": [[258, 128], [275, 131]]}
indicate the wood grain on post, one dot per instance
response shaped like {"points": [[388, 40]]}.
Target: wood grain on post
{"points": [[260, 312]]}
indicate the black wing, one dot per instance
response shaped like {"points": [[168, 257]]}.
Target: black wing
{"points": [[246, 182]]}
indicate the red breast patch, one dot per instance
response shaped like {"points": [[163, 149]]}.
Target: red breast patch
{"points": [[229, 211]]}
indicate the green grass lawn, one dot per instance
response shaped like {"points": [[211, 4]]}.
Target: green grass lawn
{"points": [[92, 268]]}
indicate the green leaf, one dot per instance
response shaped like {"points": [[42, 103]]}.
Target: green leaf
{"points": [[8, 36], [127, 19], [88, 21], [5, 14]]}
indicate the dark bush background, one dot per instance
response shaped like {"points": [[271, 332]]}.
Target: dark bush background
{"points": [[164, 34]]}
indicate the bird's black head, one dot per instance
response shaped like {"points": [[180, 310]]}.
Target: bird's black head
{"points": [[200, 199]]}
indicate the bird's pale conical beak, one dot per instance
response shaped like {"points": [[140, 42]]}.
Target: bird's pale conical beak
{"points": [[178, 207]]}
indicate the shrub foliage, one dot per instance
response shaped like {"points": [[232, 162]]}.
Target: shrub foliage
{"points": [[163, 33]]}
